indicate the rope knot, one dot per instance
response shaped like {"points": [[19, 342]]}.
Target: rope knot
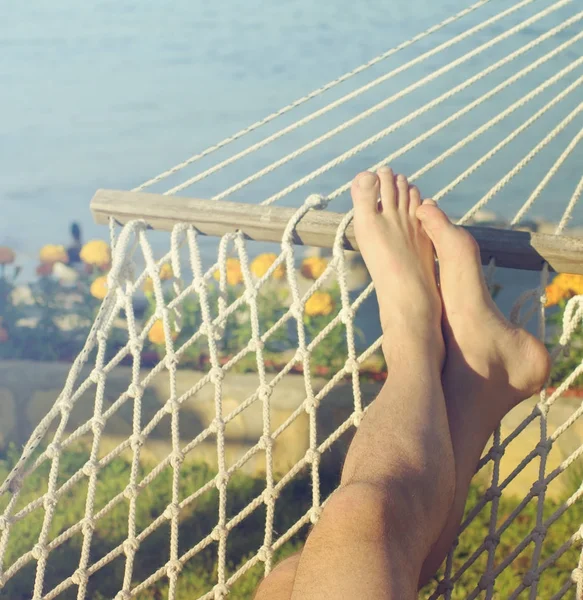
{"points": [[530, 578], [137, 440], [496, 453], [493, 493], [269, 495], [40, 552], [53, 450], [220, 591], [131, 492], [216, 375], [177, 459], [97, 375], [97, 425], [491, 541], [315, 514], [88, 526], [219, 532], [80, 576], [265, 441], [539, 533], [485, 582], [351, 366], [49, 502], [173, 567], [316, 201], [538, 487], [312, 456], [130, 546], [255, 345], [264, 553], [265, 392], [172, 511], [136, 390], [222, 480], [171, 405]]}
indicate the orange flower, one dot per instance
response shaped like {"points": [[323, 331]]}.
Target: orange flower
{"points": [[156, 334], [262, 264], [563, 286], [313, 267], [51, 254], [554, 294], [234, 273], [319, 303], [99, 288], [7, 255]]}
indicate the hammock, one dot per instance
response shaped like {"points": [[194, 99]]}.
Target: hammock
{"points": [[467, 108]]}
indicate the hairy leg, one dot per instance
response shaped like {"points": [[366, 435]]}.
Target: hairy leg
{"points": [[398, 478], [491, 364]]}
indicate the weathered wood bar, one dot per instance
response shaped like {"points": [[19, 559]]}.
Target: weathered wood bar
{"points": [[514, 249]]}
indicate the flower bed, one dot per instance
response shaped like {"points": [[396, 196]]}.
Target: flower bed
{"points": [[49, 319]]}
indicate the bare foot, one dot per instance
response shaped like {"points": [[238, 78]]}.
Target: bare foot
{"points": [[399, 257], [491, 364]]}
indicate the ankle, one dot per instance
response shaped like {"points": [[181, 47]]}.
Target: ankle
{"points": [[420, 347]]}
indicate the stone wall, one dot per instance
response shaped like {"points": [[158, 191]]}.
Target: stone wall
{"points": [[29, 389]]}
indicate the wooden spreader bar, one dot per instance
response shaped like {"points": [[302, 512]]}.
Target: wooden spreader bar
{"points": [[513, 249]]}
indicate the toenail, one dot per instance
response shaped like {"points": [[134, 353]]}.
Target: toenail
{"points": [[367, 181], [384, 169], [401, 178]]}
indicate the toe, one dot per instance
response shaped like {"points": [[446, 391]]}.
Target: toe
{"points": [[403, 194], [365, 194], [435, 222], [388, 191], [452, 244], [414, 200]]}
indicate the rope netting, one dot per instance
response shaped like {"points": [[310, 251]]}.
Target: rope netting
{"points": [[501, 127]]}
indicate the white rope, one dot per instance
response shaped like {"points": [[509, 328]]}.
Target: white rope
{"points": [[402, 93], [569, 209], [545, 180], [520, 165], [347, 97], [320, 91]]}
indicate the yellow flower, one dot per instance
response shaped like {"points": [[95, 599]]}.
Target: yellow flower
{"points": [[319, 303], [149, 286], [234, 274], [166, 272], [313, 267], [554, 294], [6, 255], [263, 262], [51, 254], [156, 333], [96, 253], [99, 288]]}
